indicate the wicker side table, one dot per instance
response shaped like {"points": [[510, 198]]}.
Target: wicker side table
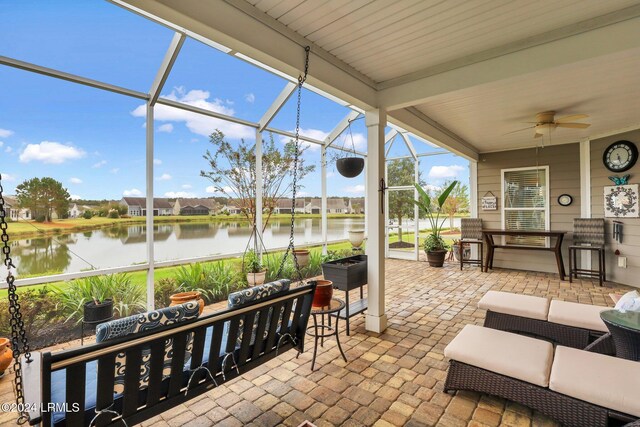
{"points": [[625, 330]]}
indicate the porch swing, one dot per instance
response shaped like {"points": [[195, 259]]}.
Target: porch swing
{"points": [[132, 378]]}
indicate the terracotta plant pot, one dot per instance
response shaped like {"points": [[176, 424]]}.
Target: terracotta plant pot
{"points": [[258, 278], [324, 292], [356, 237], [6, 355], [302, 255], [182, 297], [436, 258]]}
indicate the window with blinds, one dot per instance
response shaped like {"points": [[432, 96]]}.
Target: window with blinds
{"points": [[525, 207]]}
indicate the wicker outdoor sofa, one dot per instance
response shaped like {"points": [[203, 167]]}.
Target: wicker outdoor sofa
{"points": [[575, 387]]}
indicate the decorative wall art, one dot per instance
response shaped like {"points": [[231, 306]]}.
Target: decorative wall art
{"points": [[489, 202], [621, 201]]}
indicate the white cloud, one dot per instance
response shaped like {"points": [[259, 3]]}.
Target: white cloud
{"points": [[8, 177], [100, 164], [132, 192], [75, 197], [8, 149], [75, 180], [187, 186], [198, 123], [157, 161], [50, 152], [359, 140], [316, 134], [1, 143], [167, 127], [354, 189], [114, 170], [451, 171], [164, 177], [5, 133], [212, 190], [250, 98], [176, 194]]}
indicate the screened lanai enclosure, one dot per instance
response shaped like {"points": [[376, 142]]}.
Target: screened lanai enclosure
{"points": [[127, 104]]}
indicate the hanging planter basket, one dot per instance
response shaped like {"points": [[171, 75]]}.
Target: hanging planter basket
{"points": [[350, 167]]}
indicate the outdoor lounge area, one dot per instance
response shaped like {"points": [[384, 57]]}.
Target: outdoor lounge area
{"points": [[394, 378], [320, 213]]}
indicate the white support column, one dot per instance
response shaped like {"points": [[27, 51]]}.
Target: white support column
{"points": [[149, 204], [323, 203], [366, 210], [416, 211], [473, 200], [376, 319], [585, 192], [259, 190]]}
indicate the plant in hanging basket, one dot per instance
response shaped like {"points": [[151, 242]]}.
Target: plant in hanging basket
{"points": [[434, 245], [256, 273]]}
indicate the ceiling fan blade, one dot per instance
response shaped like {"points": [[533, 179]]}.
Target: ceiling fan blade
{"points": [[566, 119], [537, 135], [574, 125], [519, 130]]}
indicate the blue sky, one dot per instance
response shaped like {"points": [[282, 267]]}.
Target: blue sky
{"points": [[93, 141]]}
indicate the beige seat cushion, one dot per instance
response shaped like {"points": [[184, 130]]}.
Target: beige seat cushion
{"points": [[578, 315], [513, 355], [515, 304], [596, 378]]}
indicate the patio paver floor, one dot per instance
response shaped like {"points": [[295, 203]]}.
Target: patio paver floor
{"points": [[392, 379]]}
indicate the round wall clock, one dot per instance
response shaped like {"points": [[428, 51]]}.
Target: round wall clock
{"points": [[620, 156], [565, 200]]}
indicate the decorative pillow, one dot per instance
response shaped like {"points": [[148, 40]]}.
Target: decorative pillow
{"points": [[142, 322], [238, 299]]}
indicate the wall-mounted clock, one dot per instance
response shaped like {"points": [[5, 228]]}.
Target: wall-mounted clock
{"points": [[565, 200], [620, 156]]}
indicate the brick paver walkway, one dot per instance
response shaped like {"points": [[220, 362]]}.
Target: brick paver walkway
{"points": [[392, 379]]}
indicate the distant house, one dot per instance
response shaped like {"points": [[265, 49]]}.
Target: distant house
{"points": [[12, 210], [283, 206], [76, 211], [137, 206], [336, 206], [232, 208], [313, 206], [192, 206], [356, 205]]}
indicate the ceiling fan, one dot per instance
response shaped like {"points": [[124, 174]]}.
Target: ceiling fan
{"points": [[546, 123]]}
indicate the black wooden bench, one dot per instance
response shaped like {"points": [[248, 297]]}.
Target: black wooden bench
{"points": [[270, 326]]}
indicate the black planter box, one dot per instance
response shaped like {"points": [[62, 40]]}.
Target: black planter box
{"points": [[346, 277], [97, 313]]}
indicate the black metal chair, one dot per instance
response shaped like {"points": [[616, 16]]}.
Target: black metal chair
{"points": [[471, 233], [588, 235]]}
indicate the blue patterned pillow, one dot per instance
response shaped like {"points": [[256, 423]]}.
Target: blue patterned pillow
{"points": [[238, 299], [148, 321]]}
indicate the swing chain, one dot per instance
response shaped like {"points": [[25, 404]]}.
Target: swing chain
{"points": [[301, 79], [18, 334]]}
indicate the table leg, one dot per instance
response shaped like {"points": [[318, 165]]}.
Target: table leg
{"points": [[322, 338], [558, 251], [346, 297], [82, 333], [338, 337], [315, 343]]}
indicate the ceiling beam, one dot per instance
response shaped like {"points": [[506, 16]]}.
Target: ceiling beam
{"points": [[424, 127], [165, 67], [279, 102], [607, 34], [409, 144], [245, 29]]}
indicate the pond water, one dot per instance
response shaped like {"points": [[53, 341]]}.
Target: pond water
{"points": [[124, 245]]}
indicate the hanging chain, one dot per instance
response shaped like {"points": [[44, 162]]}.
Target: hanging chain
{"points": [[18, 334], [301, 79]]}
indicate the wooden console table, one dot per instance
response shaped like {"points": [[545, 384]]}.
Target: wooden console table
{"points": [[555, 248]]}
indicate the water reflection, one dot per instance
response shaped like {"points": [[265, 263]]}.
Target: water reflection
{"points": [[123, 245]]}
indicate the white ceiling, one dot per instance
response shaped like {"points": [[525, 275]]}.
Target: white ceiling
{"points": [[605, 88], [388, 39]]}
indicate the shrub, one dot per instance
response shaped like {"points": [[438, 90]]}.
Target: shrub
{"points": [[40, 218], [191, 277], [128, 297], [87, 214], [113, 213], [163, 289], [223, 279]]}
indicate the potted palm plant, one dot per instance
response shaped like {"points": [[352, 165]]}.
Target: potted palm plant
{"points": [[434, 246]]}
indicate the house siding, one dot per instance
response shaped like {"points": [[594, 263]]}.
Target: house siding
{"points": [[630, 246], [564, 177]]}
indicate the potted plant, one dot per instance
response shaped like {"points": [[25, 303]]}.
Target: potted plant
{"points": [[182, 297], [302, 255], [434, 246], [466, 250], [6, 355], [96, 311], [345, 273], [356, 237], [256, 273]]}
